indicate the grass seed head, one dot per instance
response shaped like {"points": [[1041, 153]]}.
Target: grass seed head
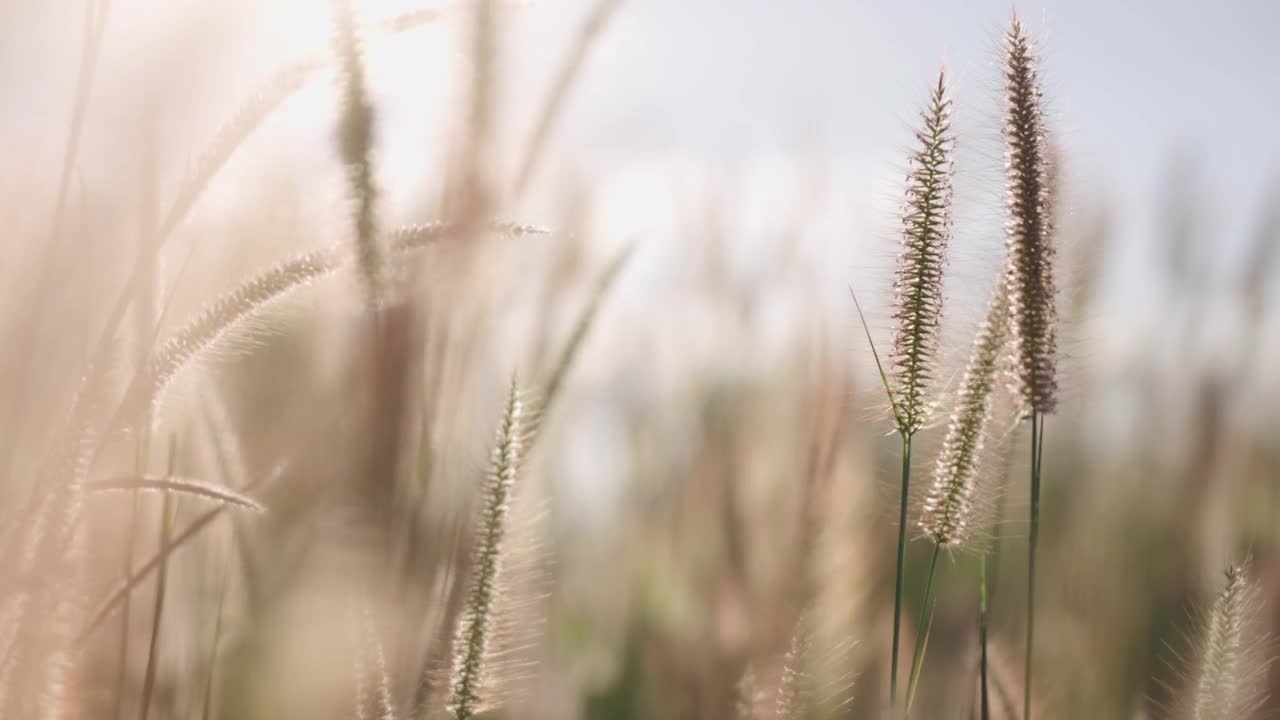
{"points": [[1028, 231], [917, 290]]}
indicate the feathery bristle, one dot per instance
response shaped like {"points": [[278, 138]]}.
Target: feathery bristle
{"points": [[1226, 675], [1028, 232], [948, 507], [917, 302], [468, 678]]}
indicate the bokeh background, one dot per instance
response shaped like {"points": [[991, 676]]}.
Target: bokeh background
{"points": [[719, 447]]}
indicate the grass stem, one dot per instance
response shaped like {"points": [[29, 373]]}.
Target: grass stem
{"points": [[897, 589], [982, 637], [162, 577], [917, 655], [1037, 447]]}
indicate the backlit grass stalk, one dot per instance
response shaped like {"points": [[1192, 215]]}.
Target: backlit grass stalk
{"points": [[1029, 276], [948, 514], [224, 314], [162, 581], [917, 306], [475, 628], [125, 587]]}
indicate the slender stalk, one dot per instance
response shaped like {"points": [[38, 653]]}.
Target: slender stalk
{"points": [[917, 655], [126, 586], [982, 636], [162, 576], [123, 657], [897, 588], [1037, 445], [211, 677]]}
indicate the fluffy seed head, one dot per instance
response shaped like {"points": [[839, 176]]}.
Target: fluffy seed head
{"points": [[1028, 231], [471, 646], [917, 290], [949, 506], [1227, 670]]}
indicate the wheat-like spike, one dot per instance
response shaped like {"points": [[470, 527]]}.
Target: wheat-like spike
{"points": [[467, 679], [795, 688], [1028, 231], [948, 507], [183, 485], [1226, 674], [355, 145], [226, 312], [917, 290]]}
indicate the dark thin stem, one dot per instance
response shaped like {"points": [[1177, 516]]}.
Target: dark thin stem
{"points": [[123, 657], [1037, 440], [917, 655], [982, 635], [897, 589], [162, 576], [127, 585]]}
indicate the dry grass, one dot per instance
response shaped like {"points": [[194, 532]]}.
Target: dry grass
{"points": [[240, 486]]}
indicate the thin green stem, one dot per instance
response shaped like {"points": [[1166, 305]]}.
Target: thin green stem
{"points": [[982, 635], [1037, 446], [897, 589], [917, 655]]}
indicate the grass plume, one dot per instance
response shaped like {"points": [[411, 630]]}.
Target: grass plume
{"points": [[1029, 245], [1227, 673], [226, 312], [917, 307], [949, 504], [1029, 275], [917, 290], [471, 647]]}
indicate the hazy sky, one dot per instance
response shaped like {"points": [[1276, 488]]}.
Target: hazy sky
{"points": [[1128, 82], [711, 83]]}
